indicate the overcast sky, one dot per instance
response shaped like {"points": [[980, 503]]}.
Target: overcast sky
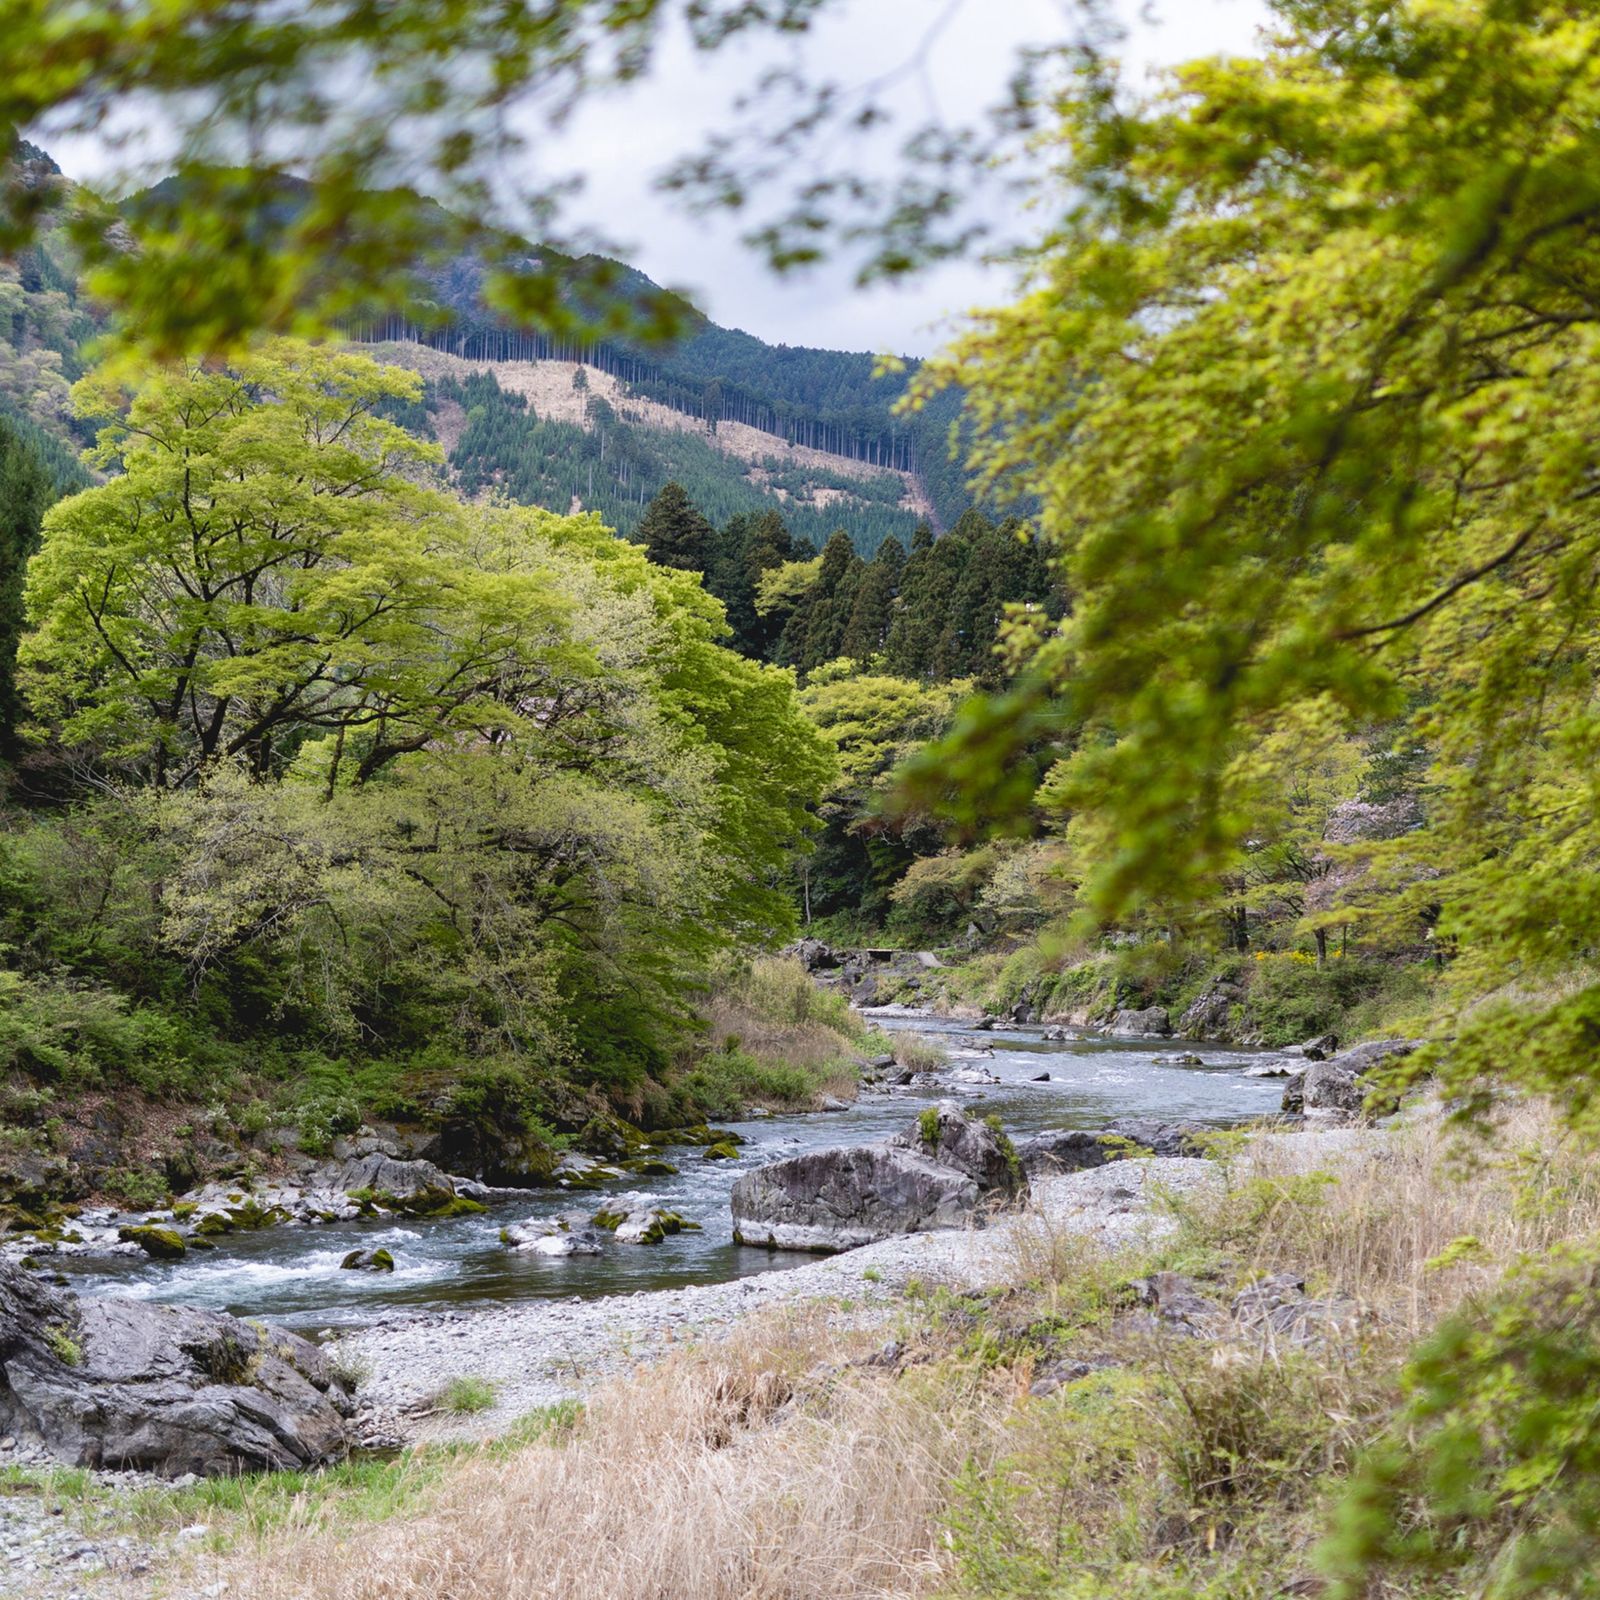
{"points": [[620, 145]]}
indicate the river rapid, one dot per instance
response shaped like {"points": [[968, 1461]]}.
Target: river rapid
{"points": [[293, 1274]]}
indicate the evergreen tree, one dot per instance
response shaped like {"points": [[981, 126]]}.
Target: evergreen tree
{"points": [[870, 616], [674, 533], [24, 494]]}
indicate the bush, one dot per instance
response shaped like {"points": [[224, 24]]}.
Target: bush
{"points": [[919, 1053], [1493, 1467], [137, 1188], [1292, 998], [726, 1083], [464, 1397]]}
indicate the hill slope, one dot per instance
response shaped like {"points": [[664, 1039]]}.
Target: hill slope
{"points": [[566, 435]]}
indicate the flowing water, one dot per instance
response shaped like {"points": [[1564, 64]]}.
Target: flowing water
{"points": [[292, 1274]]}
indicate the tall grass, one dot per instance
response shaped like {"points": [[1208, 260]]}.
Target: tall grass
{"points": [[777, 1465], [714, 1476], [776, 1039]]}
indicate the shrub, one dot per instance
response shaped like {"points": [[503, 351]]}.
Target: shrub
{"points": [[137, 1188], [919, 1053], [464, 1397], [1493, 1466], [64, 1347], [1291, 998]]}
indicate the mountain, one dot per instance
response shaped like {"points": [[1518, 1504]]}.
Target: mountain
{"points": [[745, 426]]}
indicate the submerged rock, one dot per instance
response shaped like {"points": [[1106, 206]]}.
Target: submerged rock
{"points": [[946, 1171], [378, 1260], [163, 1389]]}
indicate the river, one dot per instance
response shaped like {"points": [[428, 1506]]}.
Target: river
{"points": [[292, 1274]]}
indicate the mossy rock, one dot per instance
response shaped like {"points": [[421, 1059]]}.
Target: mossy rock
{"points": [[431, 1203], [721, 1151], [609, 1220], [608, 1135], [378, 1260], [698, 1133], [197, 1243], [650, 1167], [215, 1222], [184, 1209], [160, 1244], [250, 1214]]}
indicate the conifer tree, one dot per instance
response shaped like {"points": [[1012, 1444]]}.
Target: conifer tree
{"points": [[24, 495], [674, 533]]}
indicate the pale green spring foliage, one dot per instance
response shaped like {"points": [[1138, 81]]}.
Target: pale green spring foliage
{"points": [[1306, 384], [486, 754]]}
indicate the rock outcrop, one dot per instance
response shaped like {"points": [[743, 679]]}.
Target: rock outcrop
{"points": [[165, 1389], [947, 1170], [1212, 1013], [1334, 1089], [1151, 1022]]}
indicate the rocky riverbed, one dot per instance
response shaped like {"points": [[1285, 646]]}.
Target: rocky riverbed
{"points": [[537, 1354]]}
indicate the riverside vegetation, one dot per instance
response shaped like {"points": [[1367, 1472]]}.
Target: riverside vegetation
{"points": [[1279, 716]]}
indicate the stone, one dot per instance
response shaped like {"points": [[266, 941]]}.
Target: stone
{"points": [[1062, 1150], [378, 1260], [1321, 1047], [721, 1151], [553, 1236], [1211, 1014], [815, 956], [414, 1183], [1294, 1101], [1151, 1022], [1334, 1088], [1161, 1138], [129, 1384], [1040, 1077], [948, 1170], [160, 1244]]}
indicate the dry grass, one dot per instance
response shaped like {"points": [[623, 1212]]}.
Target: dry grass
{"points": [[769, 1466], [919, 1053], [771, 1008], [1427, 1217], [729, 1473]]}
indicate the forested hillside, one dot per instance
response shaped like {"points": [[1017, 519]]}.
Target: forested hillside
{"points": [[566, 435], [828, 400]]}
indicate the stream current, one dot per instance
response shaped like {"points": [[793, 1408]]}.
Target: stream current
{"points": [[293, 1276]]}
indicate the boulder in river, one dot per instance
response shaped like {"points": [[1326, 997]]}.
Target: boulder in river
{"points": [[1151, 1021], [553, 1236], [947, 1170], [378, 1260], [161, 1244], [164, 1389]]}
